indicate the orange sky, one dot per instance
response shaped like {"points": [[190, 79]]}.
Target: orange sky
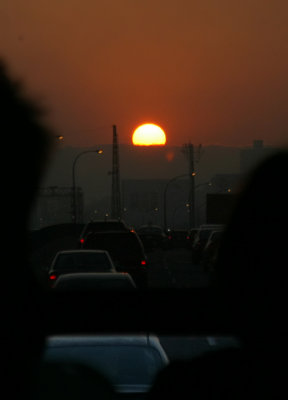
{"points": [[212, 72]]}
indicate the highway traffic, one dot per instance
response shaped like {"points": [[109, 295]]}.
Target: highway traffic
{"points": [[174, 268]]}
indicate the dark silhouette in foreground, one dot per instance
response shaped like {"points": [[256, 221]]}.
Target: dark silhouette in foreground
{"points": [[251, 272], [68, 380], [250, 281], [26, 145]]}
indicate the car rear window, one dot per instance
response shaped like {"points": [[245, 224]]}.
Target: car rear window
{"points": [[116, 243], [150, 230], [89, 283], [88, 261], [104, 226], [204, 234]]}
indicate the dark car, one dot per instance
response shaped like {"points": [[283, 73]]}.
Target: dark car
{"points": [[201, 239], [191, 236], [178, 238], [72, 261], [129, 362], [210, 251], [126, 251], [100, 226], [153, 237]]}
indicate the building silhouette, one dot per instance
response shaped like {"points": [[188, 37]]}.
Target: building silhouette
{"points": [[143, 202], [54, 205]]}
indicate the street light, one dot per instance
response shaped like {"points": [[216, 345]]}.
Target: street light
{"points": [[74, 208], [60, 138]]}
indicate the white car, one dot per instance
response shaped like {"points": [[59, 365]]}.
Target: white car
{"points": [[129, 362], [95, 281], [72, 261]]}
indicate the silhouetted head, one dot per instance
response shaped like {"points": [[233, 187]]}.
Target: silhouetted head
{"points": [[251, 271], [25, 144]]}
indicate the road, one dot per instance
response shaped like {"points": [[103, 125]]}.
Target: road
{"points": [[174, 269], [166, 269]]}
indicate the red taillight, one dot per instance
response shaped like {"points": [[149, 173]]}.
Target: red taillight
{"points": [[143, 262], [52, 277]]}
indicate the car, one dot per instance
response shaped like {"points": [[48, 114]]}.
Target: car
{"points": [[95, 281], [191, 236], [129, 362], [210, 251], [153, 237], [72, 261], [178, 238], [102, 225], [126, 250], [201, 239]]}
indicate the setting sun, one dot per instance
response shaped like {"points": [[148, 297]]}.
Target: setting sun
{"points": [[149, 135]]}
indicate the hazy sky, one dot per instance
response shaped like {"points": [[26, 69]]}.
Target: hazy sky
{"points": [[207, 71]]}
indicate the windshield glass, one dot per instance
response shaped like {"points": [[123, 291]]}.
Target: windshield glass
{"points": [[126, 123], [210, 123], [82, 260]]}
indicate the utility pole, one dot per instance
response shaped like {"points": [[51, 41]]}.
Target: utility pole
{"points": [[188, 150], [116, 196]]}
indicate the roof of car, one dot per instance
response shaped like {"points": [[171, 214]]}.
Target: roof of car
{"points": [[184, 231], [94, 277], [80, 340], [115, 232], [103, 225], [106, 221], [150, 226], [82, 251]]}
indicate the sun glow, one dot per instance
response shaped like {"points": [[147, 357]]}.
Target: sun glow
{"points": [[149, 135]]}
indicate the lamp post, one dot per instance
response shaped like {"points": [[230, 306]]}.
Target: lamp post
{"points": [[74, 207]]}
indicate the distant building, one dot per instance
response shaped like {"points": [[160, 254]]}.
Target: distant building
{"points": [[225, 184], [219, 207], [54, 206], [251, 156]]}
